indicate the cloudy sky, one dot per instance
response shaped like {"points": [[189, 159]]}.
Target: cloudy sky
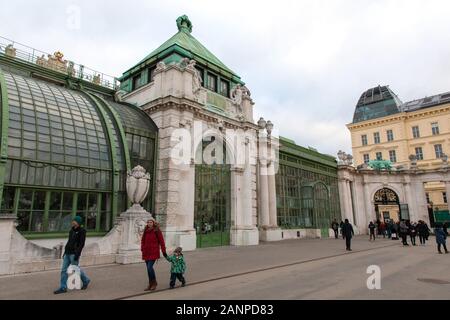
{"points": [[305, 62]]}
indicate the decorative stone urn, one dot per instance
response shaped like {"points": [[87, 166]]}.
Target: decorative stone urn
{"points": [[138, 184], [133, 220]]}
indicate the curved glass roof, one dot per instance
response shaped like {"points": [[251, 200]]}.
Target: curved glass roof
{"points": [[48, 123], [376, 103], [133, 118]]}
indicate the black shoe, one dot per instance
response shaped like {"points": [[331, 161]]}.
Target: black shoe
{"points": [[60, 290], [85, 285], [183, 284]]}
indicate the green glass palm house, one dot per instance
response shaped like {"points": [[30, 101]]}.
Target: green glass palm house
{"points": [[66, 144]]}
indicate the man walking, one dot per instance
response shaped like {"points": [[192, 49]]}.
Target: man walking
{"points": [[372, 227], [335, 227], [347, 233], [72, 253], [404, 232]]}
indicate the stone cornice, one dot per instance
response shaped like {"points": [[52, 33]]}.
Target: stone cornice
{"points": [[171, 102]]}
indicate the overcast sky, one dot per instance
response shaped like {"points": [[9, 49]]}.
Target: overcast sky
{"points": [[305, 62]]}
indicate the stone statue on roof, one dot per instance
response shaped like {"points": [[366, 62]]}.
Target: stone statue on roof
{"points": [[183, 23]]}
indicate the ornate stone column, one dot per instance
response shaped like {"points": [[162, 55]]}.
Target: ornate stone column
{"points": [[264, 211]]}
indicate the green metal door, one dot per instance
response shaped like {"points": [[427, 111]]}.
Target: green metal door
{"points": [[212, 205]]}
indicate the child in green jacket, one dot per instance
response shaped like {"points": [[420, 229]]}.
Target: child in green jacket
{"points": [[178, 267]]}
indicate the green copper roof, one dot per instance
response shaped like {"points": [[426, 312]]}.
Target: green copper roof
{"points": [[184, 39]]}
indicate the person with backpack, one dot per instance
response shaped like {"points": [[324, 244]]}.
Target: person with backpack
{"points": [[151, 243], [72, 253]]}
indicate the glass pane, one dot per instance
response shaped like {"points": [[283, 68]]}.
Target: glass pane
{"points": [[8, 200], [55, 201], [54, 220], [39, 200], [67, 201], [25, 199], [37, 221], [65, 221], [23, 220]]}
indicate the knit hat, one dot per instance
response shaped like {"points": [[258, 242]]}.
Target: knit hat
{"points": [[178, 249], [78, 220]]}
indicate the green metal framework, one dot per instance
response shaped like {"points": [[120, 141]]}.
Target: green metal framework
{"points": [[4, 123], [307, 188], [40, 158]]}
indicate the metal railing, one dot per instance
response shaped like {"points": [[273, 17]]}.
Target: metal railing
{"points": [[55, 62]]}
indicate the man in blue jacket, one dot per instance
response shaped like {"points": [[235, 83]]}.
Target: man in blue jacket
{"points": [[72, 253]]}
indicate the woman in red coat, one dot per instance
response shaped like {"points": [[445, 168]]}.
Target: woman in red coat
{"points": [[152, 240]]}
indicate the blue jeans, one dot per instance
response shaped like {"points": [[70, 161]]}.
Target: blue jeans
{"points": [[150, 270], [67, 261]]}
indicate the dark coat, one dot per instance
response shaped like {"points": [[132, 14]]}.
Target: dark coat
{"points": [[440, 235], [75, 243], [423, 230], [347, 230], [152, 240]]}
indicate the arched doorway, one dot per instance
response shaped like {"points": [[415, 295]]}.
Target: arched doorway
{"points": [[212, 217], [388, 207]]}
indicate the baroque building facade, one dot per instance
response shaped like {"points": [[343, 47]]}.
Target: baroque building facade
{"points": [[411, 140], [219, 177]]}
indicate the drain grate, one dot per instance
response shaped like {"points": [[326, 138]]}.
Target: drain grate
{"points": [[435, 281]]}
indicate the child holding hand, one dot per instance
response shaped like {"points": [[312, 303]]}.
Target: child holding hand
{"points": [[178, 267]]}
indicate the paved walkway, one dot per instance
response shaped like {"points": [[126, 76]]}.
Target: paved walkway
{"points": [[267, 271]]}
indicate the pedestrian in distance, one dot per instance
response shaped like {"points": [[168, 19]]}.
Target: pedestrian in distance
{"points": [[347, 233], [341, 225], [151, 243], [421, 231], [372, 228], [378, 228], [389, 228], [441, 237], [335, 227], [404, 232], [72, 253], [413, 233], [383, 229], [178, 267]]}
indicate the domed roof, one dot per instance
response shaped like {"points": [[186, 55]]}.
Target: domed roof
{"points": [[376, 102]]}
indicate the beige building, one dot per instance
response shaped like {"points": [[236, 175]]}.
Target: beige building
{"points": [[415, 137]]}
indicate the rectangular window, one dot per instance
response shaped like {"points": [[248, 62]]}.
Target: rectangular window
{"points": [[379, 156], [366, 158], [438, 151], [150, 74], [428, 197], [390, 135], [435, 128], [419, 153], [364, 139], [136, 81], [392, 156], [224, 88], [444, 196], [201, 74], [212, 82], [416, 132], [376, 137]]}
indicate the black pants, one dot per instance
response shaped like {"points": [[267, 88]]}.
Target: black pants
{"points": [[173, 278], [348, 242], [372, 234], [336, 233], [405, 242], [444, 245], [413, 239], [422, 239]]}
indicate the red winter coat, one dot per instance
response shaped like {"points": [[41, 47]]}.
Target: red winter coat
{"points": [[151, 241]]}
